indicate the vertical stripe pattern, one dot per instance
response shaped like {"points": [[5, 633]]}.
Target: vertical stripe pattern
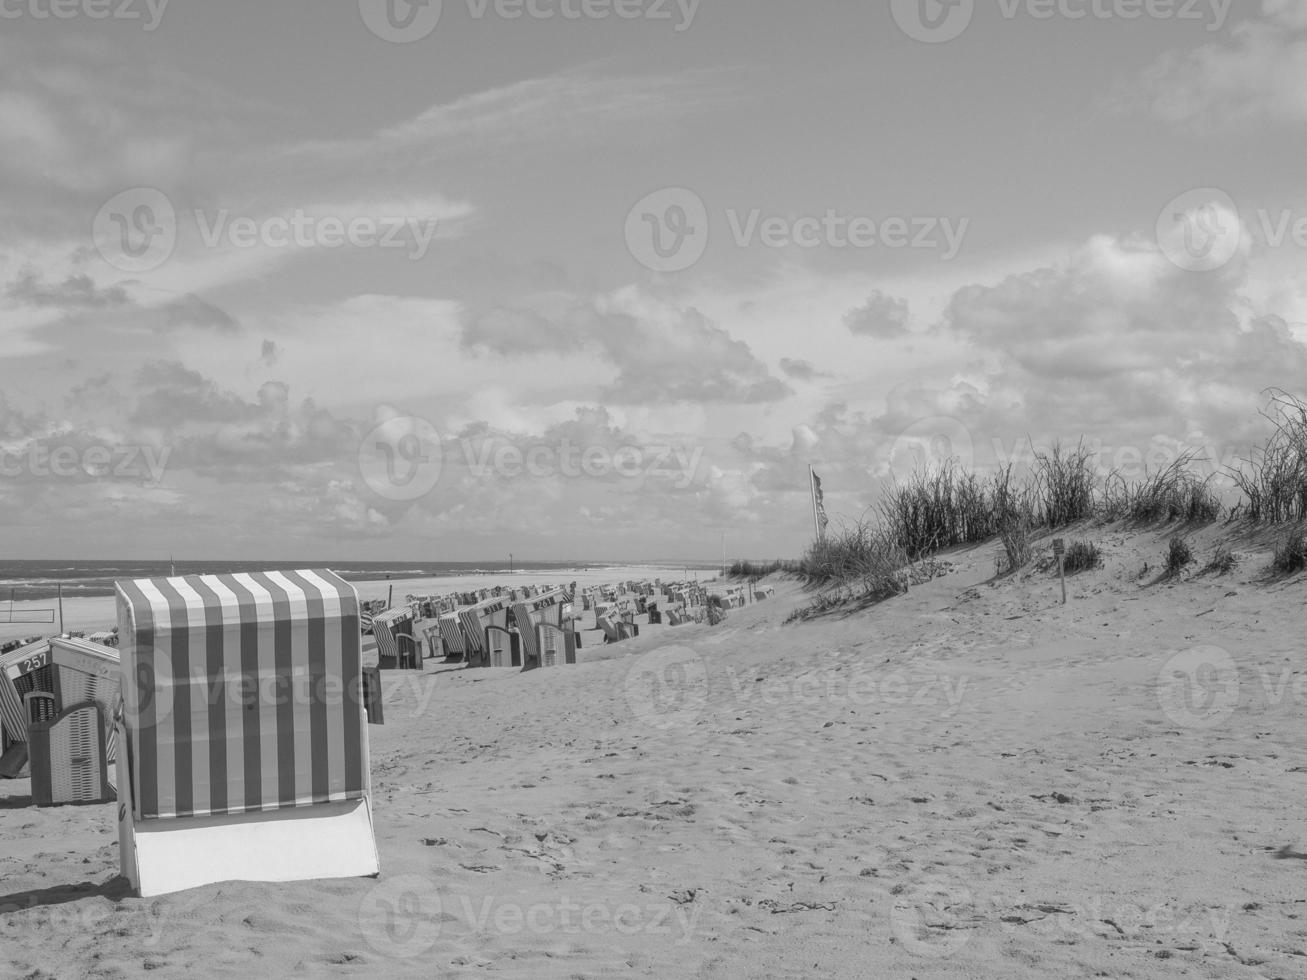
{"points": [[242, 692]]}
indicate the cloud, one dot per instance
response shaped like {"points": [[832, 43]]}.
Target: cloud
{"points": [[662, 353], [191, 311], [1261, 74], [801, 370], [882, 317], [74, 293], [564, 106]]}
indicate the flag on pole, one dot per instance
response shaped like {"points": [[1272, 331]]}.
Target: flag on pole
{"points": [[818, 504]]}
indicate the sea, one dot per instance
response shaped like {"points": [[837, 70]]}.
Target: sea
{"points": [[33, 579]]}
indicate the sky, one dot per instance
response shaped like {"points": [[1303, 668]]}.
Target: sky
{"points": [[601, 279]]}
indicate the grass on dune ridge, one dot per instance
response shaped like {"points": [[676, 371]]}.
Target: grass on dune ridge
{"points": [[948, 506]]}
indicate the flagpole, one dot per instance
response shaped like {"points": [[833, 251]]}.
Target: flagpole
{"points": [[812, 490]]}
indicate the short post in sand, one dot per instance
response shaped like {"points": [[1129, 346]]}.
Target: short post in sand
{"points": [[1059, 552]]}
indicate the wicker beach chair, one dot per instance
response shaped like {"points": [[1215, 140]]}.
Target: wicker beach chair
{"points": [[397, 648], [68, 755]]}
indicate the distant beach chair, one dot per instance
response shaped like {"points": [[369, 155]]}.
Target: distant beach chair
{"points": [[397, 648], [451, 636], [244, 733], [544, 609], [474, 621]]}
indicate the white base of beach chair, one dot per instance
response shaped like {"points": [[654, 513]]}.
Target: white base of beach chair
{"points": [[327, 840]]}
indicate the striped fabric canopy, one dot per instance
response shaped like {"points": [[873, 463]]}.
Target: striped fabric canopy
{"points": [[242, 692]]}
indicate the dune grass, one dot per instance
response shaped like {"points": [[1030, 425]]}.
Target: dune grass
{"points": [[948, 506]]}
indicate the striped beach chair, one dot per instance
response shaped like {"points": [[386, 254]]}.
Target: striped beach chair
{"points": [[397, 648], [544, 609], [451, 635], [475, 620], [244, 745]]}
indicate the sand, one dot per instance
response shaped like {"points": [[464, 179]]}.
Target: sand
{"points": [[970, 780]]}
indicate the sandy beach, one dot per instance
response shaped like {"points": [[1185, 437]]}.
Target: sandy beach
{"points": [[969, 780]]}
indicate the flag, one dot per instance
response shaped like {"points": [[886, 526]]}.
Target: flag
{"points": [[818, 506]]}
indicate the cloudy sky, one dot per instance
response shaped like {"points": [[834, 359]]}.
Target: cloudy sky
{"points": [[600, 279]]}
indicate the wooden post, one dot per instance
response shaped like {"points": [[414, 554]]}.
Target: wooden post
{"points": [[1059, 552], [61, 609]]}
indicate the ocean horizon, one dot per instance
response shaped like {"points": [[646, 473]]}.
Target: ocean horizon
{"points": [[27, 579]]}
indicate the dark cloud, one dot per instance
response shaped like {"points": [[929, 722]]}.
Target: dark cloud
{"points": [[74, 293], [659, 356], [191, 311], [881, 316]]}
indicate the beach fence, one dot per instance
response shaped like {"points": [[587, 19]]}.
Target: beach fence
{"points": [[242, 731]]}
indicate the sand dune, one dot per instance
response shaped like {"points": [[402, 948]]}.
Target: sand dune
{"points": [[970, 780]]}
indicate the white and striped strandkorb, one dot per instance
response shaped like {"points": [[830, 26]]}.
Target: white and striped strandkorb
{"points": [[242, 693], [451, 637]]}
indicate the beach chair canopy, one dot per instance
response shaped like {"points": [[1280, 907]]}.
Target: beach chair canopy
{"points": [[241, 693]]}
